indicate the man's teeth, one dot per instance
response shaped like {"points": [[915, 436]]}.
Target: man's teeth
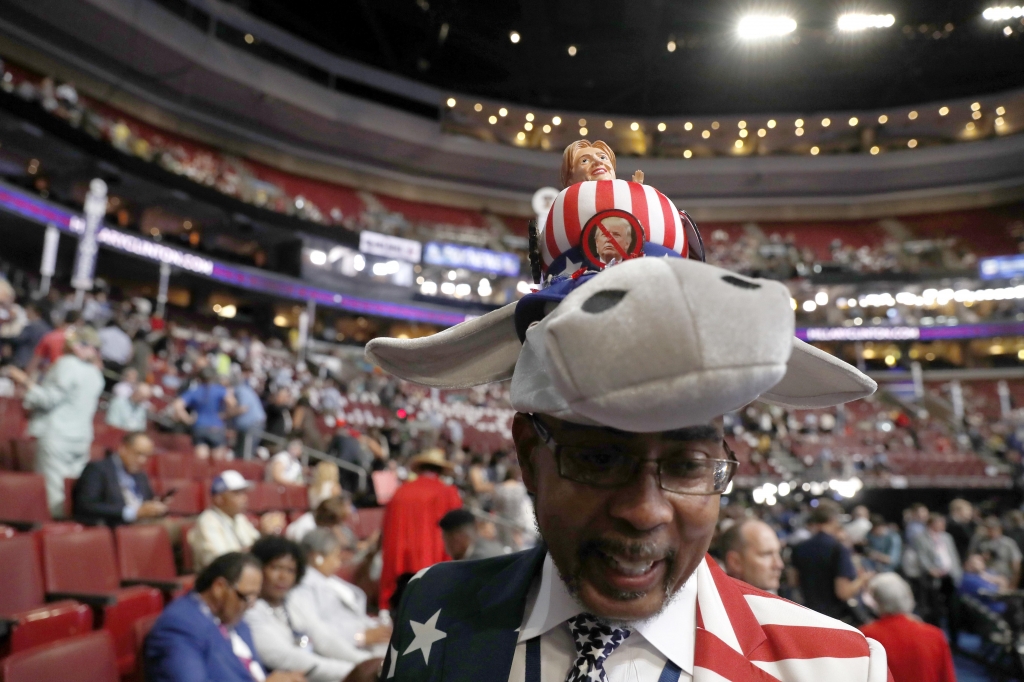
{"points": [[630, 567]]}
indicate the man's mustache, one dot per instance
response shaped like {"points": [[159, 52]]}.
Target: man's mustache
{"points": [[630, 550]]}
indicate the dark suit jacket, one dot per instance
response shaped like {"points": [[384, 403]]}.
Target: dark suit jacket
{"points": [[97, 498], [186, 646]]}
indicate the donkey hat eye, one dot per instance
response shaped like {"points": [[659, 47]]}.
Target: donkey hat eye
{"points": [[603, 300], [741, 283]]}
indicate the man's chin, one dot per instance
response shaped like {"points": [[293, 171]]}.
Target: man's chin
{"points": [[613, 594]]}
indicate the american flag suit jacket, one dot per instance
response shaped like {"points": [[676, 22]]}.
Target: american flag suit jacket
{"points": [[459, 621]]}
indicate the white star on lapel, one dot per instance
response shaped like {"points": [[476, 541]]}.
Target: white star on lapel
{"points": [[394, 662], [426, 634]]}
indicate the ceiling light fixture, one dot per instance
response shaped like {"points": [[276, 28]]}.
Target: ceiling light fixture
{"points": [[759, 26], [572, 50], [451, 102], [662, 127], [671, 47], [514, 37], [862, 22], [1003, 13]]}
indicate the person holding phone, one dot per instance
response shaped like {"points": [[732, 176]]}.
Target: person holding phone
{"points": [[116, 490]]}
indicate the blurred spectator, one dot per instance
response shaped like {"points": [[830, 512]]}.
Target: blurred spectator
{"points": [[857, 529], [116, 489], [24, 344], [346, 445], [126, 386], [279, 414], [461, 540], [1001, 553], [916, 522], [331, 513], [752, 553], [51, 346], [512, 503], [916, 652], [207, 400], [248, 417], [223, 527], [940, 569], [284, 639], [285, 467], [824, 567], [62, 407], [202, 636], [130, 413], [884, 548], [115, 347], [982, 584], [411, 538], [961, 525], [336, 606]]}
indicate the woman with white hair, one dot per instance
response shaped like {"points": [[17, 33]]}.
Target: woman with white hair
{"points": [[917, 652]]}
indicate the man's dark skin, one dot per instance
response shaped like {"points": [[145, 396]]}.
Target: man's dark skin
{"points": [[638, 522]]}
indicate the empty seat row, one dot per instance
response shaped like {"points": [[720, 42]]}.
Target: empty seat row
{"points": [[82, 567]]}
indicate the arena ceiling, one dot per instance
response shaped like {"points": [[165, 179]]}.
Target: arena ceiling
{"points": [[623, 65]]}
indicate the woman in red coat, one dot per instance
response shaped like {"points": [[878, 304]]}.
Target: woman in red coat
{"points": [[411, 539], [917, 652]]}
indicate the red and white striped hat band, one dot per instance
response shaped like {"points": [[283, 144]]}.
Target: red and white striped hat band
{"points": [[578, 203]]}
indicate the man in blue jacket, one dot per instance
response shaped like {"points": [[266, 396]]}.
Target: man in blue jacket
{"points": [[201, 637]]}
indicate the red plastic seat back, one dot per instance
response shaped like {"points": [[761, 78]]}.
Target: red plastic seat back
{"points": [[266, 497], [144, 552], [80, 562], [84, 658], [187, 499], [367, 521], [22, 584], [187, 558], [23, 498], [173, 465]]}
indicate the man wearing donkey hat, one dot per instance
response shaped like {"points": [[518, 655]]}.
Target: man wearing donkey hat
{"points": [[619, 374]]}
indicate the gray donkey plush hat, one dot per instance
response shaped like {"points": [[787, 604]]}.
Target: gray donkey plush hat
{"points": [[651, 344]]}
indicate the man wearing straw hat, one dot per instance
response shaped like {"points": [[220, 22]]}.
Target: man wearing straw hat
{"points": [[619, 375], [411, 539]]}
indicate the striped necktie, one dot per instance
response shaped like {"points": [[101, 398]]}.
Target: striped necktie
{"points": [[595, 641]]}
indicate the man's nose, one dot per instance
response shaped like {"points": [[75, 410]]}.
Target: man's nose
{"points": [[642, 503]]}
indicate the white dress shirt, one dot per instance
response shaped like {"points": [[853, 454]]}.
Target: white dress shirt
{"points": [[640, 658], [216, 534]]}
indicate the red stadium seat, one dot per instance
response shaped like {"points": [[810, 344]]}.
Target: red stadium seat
{"points": [[173, 465], [187, 559], [188, 498], [145, 556], [82, 566], [367, 521], [250, 470], [23, 499], [296, 498], [24, 451], [266, 497], [84, 658], [140, 631], [32, 622]]}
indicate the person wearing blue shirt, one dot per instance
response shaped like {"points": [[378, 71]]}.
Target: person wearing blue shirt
{"points": [[201, 637], [884, 546], [249, 417], [202, 406], [827, 576]]}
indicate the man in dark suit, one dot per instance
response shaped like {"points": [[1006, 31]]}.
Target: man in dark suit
{"points": [[116, 490]]}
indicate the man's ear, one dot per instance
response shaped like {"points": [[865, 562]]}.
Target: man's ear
{"points": [[526, 439]]}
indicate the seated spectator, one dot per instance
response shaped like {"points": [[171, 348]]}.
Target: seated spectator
{"points": [[824, 568], [126, 386], [752, 553], [884, 547], [322, 596], [129, 413], [332, 513], [284, 640], [916, 651], [285, 467], [1001, 553], [982, 584], [201, 636], [207, 401], [223, 527], [116, 490], [461, 540], [24, 344]]}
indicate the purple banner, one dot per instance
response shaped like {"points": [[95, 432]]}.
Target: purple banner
{"points": [[33, 208]]}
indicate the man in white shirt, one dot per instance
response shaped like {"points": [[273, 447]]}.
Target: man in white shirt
{"points": [[223, 527]]}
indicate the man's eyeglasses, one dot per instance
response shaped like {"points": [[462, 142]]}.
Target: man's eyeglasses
{"points": [[686, 469], [248, 599]]}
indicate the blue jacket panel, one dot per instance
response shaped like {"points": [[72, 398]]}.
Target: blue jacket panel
{"points": [[186, 646]]}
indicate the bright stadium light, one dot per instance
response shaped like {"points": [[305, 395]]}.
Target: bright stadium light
{"points": [[1003, 13], [862, 22], [755, 26]]}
